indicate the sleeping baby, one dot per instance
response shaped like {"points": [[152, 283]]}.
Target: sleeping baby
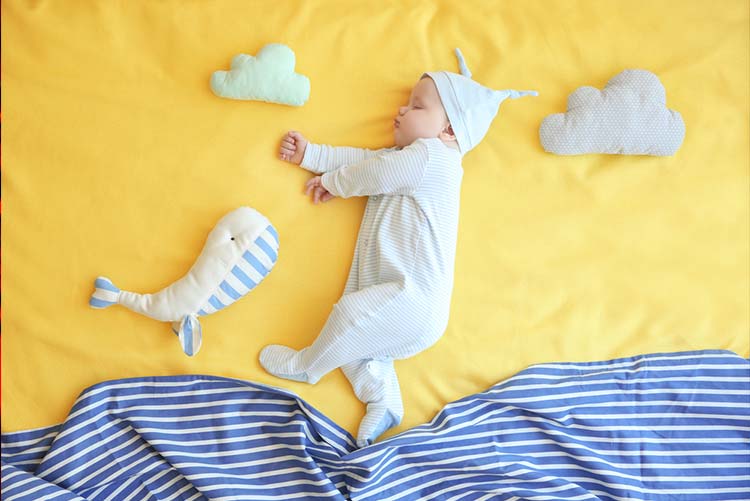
{"points": [[397, 297]]}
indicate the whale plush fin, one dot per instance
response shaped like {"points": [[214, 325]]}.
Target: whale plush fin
{"points": [[190, 334], [105, 293]]}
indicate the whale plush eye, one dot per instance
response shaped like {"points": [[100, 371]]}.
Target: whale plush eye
{"points": [[232, 238]]}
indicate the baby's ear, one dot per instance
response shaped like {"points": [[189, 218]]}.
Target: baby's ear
{"points": [[448, 133]]}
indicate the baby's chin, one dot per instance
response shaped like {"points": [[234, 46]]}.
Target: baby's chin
{"points": [[402, 141]]}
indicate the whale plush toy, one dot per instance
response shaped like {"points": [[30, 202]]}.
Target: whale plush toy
{"points": [[239, 252]]}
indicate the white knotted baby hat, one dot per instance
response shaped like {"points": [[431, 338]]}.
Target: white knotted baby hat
{"points": [[470, 106]]}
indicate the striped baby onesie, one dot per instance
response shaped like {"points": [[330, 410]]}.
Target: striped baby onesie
{"points": [[397, 296]]}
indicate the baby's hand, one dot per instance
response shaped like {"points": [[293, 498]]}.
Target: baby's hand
{"points": [[319, 192], [293, 146]]}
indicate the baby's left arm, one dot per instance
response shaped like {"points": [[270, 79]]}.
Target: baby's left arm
{"points": [[393, 173], [322, 158]]}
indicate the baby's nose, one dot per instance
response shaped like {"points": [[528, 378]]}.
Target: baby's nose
{"points": [[402, 110]]}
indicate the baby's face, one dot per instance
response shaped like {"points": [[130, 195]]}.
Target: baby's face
{"points": [[423, 117]]}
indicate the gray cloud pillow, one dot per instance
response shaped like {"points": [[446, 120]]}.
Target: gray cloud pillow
{"points": [[628, 117]]}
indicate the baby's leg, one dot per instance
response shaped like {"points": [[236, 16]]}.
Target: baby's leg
{"points": [[375, 383], [378, 321]]}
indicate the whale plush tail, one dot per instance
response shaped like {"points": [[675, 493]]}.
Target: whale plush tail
{"points": [[188, 329], [106, 293]]}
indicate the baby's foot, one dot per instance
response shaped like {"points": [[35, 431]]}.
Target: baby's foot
{"points": [[379, 418], [283, 362]]}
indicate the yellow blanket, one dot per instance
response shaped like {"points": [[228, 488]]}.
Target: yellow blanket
{"points": [[118, 160]]}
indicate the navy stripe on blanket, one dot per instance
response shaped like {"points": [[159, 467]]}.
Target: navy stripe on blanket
{"points": [[657, 427]]}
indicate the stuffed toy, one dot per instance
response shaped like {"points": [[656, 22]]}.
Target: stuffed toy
{"points": [[269, 77], [628, 117], [239, 252]]}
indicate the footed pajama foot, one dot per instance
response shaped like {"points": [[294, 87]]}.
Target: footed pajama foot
{"points": [[379, 418], [284, 362]]}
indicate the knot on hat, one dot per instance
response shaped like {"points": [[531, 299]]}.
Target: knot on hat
{"points": [[470, 106]]}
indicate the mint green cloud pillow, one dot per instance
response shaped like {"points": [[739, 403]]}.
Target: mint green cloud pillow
{"points": [[269, 77]]}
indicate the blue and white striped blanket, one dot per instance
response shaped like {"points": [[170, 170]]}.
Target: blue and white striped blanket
{"points": [[664, 426]]}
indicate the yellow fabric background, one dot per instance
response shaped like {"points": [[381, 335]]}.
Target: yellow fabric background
{"points": [[118, 160]]}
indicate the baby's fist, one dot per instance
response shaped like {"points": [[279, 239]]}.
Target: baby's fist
{"points": [[293, 146], [319, 192]]}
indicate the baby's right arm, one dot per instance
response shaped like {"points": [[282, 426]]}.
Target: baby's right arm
{"points": [[321, 158]]}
